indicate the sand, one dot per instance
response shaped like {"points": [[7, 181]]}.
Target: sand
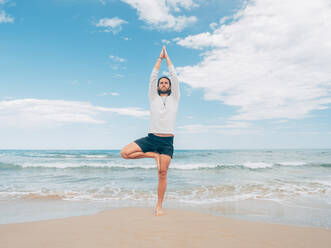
{"points": [[139, 227]]}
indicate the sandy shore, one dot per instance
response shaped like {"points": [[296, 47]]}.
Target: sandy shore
{"points": [[138, 227]]}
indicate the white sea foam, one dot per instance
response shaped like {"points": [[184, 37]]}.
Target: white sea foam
{"points": [[326, 182], [293, 163], [193, 166], [256, 165], [201, 194], [95, 156], [82, 164], [146, 165]]}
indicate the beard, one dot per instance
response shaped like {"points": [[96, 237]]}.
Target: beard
{"points": [[167, 91]]}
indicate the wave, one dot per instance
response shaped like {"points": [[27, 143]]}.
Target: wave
{"points": [[274, 190], [68, 155], [10, 166], [174, 165], [256, 165], [71, 166]]}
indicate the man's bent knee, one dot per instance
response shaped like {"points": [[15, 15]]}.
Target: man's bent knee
{"points": [[124, 154], [130, 148]]}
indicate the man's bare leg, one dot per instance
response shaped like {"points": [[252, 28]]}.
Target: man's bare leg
{"points": [[163, 169], [133, 151]]}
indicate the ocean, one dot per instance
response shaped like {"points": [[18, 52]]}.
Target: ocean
{"points": [[286, 186]]}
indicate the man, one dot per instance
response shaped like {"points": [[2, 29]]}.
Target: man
{"points": [[163, 97]]}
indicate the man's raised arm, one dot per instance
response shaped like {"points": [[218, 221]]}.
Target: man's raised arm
{"points": [[173, 76], [152, 91]]}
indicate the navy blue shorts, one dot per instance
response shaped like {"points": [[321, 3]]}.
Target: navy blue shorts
{"points": [[154, 143]]}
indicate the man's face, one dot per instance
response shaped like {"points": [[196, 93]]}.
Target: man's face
{"points": [[164, 84]]}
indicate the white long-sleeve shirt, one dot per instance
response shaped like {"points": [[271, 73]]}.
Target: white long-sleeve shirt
{"points": [[163, 118]]}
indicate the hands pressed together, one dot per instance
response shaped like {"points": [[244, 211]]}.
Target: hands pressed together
{"points": [[164, 54]]}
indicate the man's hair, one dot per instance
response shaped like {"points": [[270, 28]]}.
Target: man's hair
{"points": [[158, 82]]}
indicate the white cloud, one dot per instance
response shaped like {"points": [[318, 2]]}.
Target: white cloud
{"points": [[103, 2], [117, 66], [157, 13], [109, 94], [5, 17], [111, 24], [118, 75], [178, 4], [200, 41], [166, 41], [271, 60], [213, 25], [31, 112], [116, 58], [224, 19]]}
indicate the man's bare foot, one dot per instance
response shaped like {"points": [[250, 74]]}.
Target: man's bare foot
{"points": [[159, 211], [157, 159]]}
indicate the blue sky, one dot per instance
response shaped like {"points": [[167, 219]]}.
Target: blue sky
{"points": [[253, 74]]}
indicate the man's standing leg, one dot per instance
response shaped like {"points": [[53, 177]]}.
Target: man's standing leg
{"points": [[162, 172]]}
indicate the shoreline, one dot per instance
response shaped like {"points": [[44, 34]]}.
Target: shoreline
{"points": [[138, 226], [266, 211]]}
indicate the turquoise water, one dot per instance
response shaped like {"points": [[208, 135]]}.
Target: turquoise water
{"points": [[278, 186]]}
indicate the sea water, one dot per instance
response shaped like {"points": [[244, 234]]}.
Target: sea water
{"points": [[288, 186]]}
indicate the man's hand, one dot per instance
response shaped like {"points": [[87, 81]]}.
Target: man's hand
{"points": [[162, 53], [165, 52], [165, 55]]}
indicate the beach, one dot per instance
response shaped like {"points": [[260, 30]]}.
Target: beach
{"points": [[290, 187], [139, 227]]}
